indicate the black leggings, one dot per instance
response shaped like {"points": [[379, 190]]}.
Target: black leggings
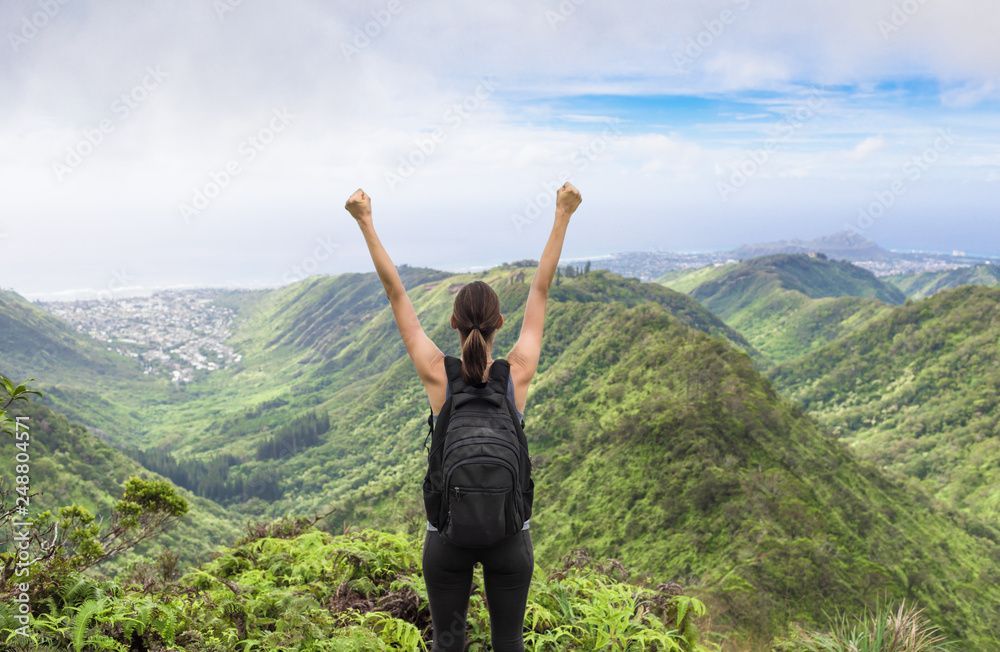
{"points": [[507, 569]]}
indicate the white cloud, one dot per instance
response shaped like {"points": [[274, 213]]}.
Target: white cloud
{"points": [[742, 70], [357, 117], [970, 94], [866, 148]]}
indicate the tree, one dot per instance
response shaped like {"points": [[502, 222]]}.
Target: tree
{"points": [[71, 540]]}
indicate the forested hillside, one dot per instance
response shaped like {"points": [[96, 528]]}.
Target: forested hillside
{"points": [[673, 444], [69, 465], [921, 286], [787, 304], [108, 570], [655, 441], [328, 347], [32, 340], [917, 390]]}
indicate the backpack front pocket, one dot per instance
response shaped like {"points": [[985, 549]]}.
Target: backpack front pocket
{"points": [[477, 517]]}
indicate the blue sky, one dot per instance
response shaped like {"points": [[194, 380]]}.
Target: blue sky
{"points": [[214, 142]]}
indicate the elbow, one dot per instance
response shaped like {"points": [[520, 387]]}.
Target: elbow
{"points": [[393, 291]]}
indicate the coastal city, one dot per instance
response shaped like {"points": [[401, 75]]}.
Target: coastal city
{"points": [[180, 334], [651, 265]]}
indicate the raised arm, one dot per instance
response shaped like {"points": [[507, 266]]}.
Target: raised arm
{"points": [[524, 356], [426, 356]]}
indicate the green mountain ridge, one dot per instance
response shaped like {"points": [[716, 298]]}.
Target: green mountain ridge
{"points": [[321, 341], [786, 304], [926, 284], [917, 390], [690, 447], [32, 340], [675, 444], [655, 441]]}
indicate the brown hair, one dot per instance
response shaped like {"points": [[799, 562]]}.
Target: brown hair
{"points": [[476, 315]]}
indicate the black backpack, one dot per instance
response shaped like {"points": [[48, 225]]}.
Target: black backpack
{"points": [[478, 488]]}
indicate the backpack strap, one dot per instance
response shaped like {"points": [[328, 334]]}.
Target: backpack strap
{"points": [[430, 430], [499, 371], [453, 370], [453, 367]]}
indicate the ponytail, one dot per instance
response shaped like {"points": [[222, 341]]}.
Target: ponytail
{"points": [[474, 356], [476, 317]]}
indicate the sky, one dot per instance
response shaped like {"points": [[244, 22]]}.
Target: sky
{"points": [[214, 142]]}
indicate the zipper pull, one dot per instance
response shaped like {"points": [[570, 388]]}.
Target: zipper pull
{"points": [[458, 494]]}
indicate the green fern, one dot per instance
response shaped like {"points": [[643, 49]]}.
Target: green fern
{"points": [[81, 621]]}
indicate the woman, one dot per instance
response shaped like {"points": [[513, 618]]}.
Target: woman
{"points": [[507, 566]]}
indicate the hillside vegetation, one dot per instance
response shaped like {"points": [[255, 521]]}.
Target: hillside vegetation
{"points": [[328, 346], [655, 442], [69, 465], [695, 470], [926, 284], [355, 592], [787, 304], [917, 390]]}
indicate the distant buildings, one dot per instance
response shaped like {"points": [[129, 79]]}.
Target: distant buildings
{"points": [[651, 265], [174, 333]]}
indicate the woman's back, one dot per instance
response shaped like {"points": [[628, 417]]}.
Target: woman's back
{"points": [[510, 396], [520, 416]]}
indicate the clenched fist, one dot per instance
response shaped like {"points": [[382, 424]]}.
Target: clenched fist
{"points": [[359, 205], [568, 198]]}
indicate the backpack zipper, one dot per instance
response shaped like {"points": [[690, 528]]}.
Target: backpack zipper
{"points": [[480, 490], [514, 476], [452, 445]]}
